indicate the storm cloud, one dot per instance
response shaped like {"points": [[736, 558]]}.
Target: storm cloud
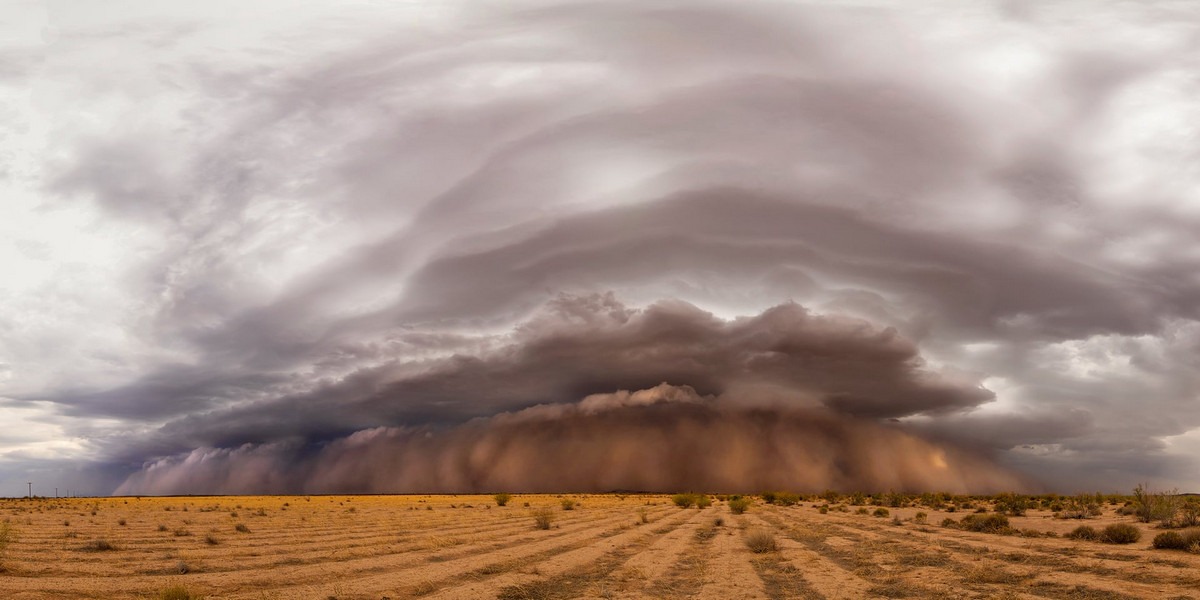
{"points": [[661, 439], [291, 241]]}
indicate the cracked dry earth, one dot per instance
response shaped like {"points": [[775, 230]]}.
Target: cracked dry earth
{"points": [[464, 547]]}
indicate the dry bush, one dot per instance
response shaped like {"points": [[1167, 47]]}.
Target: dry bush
{"points": [[8, 534], [738, 506], [1151, 506], [241, 528], [542, 517], [703, 501], [1176, 540], [1084, 532], [1189, 512], [644, 514], [567, 504], [760, 540], [176, 592], [211, 540], [881, 512], [502, 498], [100, 545], [1120, 533]]}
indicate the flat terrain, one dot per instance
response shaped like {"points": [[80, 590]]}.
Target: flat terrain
{"points": [[452, 547]]}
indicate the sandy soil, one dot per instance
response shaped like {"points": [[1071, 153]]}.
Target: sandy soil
{"points": [[464, 547]]}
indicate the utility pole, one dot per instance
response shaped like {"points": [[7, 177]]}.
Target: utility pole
{"points": [[31, 490], [56, 493]]}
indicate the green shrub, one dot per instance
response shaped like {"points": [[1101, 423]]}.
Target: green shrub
{"points": [[738, 506], [1084, 532], [684, 500], [920, 518], [567, 504], [502, 498], [881, 512], [703, 501], [984, 523], [1120, 533], [823, 510], [768, 497], [1012, 504]]}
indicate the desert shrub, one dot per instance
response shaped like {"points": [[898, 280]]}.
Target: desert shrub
{"points": [[831, 497], [1077, 507], [8, 534], [241, 528], [768, 497], [786, 498], [1012, 504], [684, 500], [567, 504], [1083, 532], [823, 509], [920, 518], [760, 540], [1176, 540], [1189, 513], [181, 532], [948, 522], [1151, 506], [211, 540], [718, 522], [983, 523], [703, 501], [644, 514], [862, 510], [738, 506], [1120, 533], [894, 499], [162, 527], [176, 592], [100, 545], [121, 522], [542, 517], [881, 512], [502, 498], [1170, 540]]}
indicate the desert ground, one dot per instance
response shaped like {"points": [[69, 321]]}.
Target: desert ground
{"points": [[606, 546]]}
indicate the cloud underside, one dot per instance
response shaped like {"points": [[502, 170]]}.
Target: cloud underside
{"points": [[668, 439]]}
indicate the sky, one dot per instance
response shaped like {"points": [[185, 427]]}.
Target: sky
{"points": [[306, 247]]}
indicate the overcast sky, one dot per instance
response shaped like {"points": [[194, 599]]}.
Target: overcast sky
{"points": [[251, 235]]}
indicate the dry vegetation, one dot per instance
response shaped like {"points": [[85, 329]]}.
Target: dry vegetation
{"points": [[827, 546]]}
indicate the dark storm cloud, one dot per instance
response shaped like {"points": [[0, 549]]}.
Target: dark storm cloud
{"points": [[661, 439], [577, 346], [976, 222]]}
